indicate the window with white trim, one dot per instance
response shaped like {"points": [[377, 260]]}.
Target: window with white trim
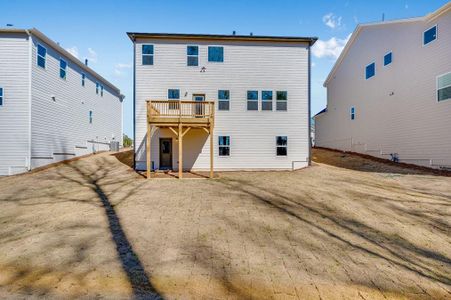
{"points": [[41, 56], [1, 96], [215, 54], [282, 145], [370, 70], [224, 145], [252, 100], [97, 88], [223, 100], [101, 90], [90, 117], [430, 35], [192, 55], [388, 58], [83, 78], [444, 87], [63, 68], [173, 94], [281, 100], [352, 112], [147, 54], [266, 100]]}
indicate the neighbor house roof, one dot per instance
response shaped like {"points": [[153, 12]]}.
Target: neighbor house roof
{"points": [[222, 37], [63, 51], [360, 27]]}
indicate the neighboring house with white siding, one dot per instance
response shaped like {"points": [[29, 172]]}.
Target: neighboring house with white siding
{"points": [[389, 93], [255, 90], [52, 106]]}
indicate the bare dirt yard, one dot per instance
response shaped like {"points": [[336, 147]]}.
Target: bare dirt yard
{"points": [[345, 228]]}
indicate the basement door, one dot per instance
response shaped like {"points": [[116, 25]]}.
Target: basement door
{"points": [[165, 154]]}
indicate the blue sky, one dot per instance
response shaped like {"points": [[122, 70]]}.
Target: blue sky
{"points": [[96, 29]]}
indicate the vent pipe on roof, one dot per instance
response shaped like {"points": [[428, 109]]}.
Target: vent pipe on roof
{"points": [[251, 34], [234, 32], [9, 25], [86, 61], [383, 17]]}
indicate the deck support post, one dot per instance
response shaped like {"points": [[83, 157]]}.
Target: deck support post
{"points": [[180, 135], [148, 156], [211, 151]]}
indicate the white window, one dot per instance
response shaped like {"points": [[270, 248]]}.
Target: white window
{"points": [[63, 68], [444, 87], [147, 54], [41, 56], [388, 58], [266, 100], [224, 145], [1, 96], [430, 35], [252, 100], [370, 70], [282, 145], [83, 78], [352, 112], [192, 53], [97, 88], [90, 117], [281, 100], [101, 90], [223, 100]]}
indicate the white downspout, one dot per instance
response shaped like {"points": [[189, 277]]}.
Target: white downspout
{"points": [[30, 69]]}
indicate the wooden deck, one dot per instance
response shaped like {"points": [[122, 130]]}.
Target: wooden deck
{"points": [[179, 117]]}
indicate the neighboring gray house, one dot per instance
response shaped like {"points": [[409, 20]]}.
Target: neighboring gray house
{"points": [[252, 91], [389, 93], [52, 106]]}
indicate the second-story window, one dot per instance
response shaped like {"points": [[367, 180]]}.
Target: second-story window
{"points": [[83, 78], [352, 112], [173, 94], [444, 87], [370, 70], [41, 56], [252, 100], [281, 100], [266, 100], [223, 100], [430, 35], [388, 58], [1, 96], [101, 90], [63, 68], [147, 54], [215, 54], [97, 88], [90, 117], [192, 53]]}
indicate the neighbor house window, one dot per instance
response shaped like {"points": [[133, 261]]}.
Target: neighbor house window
{"points": [[1, 96], [370, 70], [41, 56], [90, 117], [352, 113], [83, 78], [266, 100], [216, 54], [63, 68], [388, 58], [224, 145], [281, 100], [252, 100], [192, 53], [430, 35], [147, 54], [97, 88], [223, 100], [281, 144], [444, 87]]}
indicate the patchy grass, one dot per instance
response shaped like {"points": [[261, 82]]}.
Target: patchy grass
{"points": [[350, 228]]}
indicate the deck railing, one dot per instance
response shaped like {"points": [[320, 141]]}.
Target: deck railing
{"points": [[180, 109]]}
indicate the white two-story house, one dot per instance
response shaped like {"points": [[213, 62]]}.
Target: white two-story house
{"points": [[52, 106], [389, 93], [222, 102]]}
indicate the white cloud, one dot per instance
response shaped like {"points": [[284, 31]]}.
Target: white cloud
{"points": [[330, 48], [73, 50], [332, 21], [92, 55], [120, 67]]}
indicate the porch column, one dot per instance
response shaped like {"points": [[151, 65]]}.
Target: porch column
{"points": [[148, 156], [180, 151], [211, 151]]}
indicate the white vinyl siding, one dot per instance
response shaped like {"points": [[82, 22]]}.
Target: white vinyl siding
{"points": [[247, 66]]}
